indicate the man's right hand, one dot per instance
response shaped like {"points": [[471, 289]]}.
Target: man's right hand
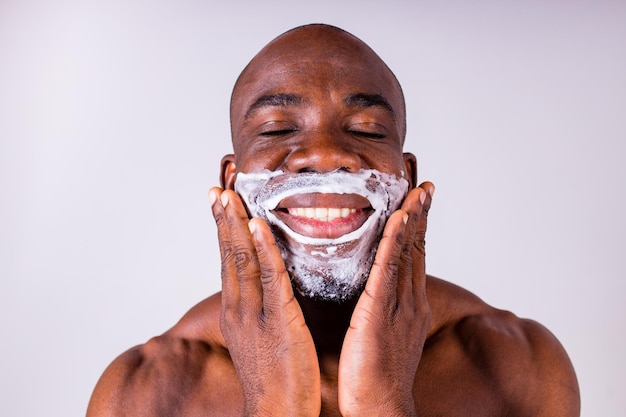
{"points": [[262, 323]]}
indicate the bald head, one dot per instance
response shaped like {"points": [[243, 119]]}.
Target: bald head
{"points": [[340, 57]]}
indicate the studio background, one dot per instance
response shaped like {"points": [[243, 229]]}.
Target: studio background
{"points": [[114, 117]]}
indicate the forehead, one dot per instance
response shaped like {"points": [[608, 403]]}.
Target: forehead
{"points": [[315, 66]]}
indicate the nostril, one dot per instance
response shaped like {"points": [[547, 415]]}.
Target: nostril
{"points": [[308, 170]]}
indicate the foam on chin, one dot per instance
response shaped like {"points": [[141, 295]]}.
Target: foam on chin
{"points": [[331, 269]]}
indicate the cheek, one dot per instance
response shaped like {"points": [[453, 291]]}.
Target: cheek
{"points": [[391, 163], [256, 158]]}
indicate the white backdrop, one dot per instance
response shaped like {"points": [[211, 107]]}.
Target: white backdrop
{"points": [[114, 116]]}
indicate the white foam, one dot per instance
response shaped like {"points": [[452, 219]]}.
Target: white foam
{"points": [[325, 268]]}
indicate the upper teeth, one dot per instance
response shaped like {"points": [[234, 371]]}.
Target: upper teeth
{"points": [[321, 213]]}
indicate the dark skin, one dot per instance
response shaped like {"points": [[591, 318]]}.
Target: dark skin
{"points": [[314, 100]]}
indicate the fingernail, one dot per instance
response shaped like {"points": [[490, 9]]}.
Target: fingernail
{"points": [[224, 199], [405, 218], [252, 227], [422, 197], [212, 197]]}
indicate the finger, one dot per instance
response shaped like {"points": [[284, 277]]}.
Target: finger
{"points": [[412, 205], [277, 289], [243, 255], [230, 285], [419, 244], [429, 189], [382, 283]]}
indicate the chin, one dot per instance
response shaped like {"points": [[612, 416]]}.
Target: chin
{"points": [[328, 291], [342, 280], [330, 272]]}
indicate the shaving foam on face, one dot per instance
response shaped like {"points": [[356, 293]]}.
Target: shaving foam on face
{"points": [[331, 269]]}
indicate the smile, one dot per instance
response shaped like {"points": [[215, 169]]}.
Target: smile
{"points": [[317, 209], [325, 216]]}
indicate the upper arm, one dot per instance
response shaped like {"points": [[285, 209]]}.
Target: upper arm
{"points": [[108, 395], [527, 364], [167, 376], [153, 379], [553, 387]]}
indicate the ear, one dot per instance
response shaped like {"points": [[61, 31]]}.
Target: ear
{"points": [[228, 171], [410, 164]]}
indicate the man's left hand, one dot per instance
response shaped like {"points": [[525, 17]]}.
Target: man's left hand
{"points": [[384, 343]]}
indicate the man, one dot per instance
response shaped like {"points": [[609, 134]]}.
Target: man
{"points": [[325, 306]]}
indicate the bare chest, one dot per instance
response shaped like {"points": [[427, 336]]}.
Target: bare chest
{"points": [[438, 391]]}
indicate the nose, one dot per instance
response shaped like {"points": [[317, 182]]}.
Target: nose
{"points": [[323, 152]]}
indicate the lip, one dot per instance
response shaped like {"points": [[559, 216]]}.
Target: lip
{"points": [[336, 214]]}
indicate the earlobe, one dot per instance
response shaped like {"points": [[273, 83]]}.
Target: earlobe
{"points": [[410, 164], [228, 171]]}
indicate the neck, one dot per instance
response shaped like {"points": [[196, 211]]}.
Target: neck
{"points": [[328, 322]]}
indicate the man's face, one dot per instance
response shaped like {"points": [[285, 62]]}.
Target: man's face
{"points": [[318, 105]]}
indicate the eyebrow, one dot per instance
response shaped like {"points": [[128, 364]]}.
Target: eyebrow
{"points": [[364, 100], [360, 100], [273, 100]]}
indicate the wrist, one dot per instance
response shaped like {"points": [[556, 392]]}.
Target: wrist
{"points": [[279, 409], [388, 409]]}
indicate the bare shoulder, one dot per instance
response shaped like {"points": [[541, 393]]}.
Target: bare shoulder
{"points": [[519, 359], [172, 374]]}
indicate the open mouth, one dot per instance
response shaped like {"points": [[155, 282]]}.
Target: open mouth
{"points": [[321, 215]]}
